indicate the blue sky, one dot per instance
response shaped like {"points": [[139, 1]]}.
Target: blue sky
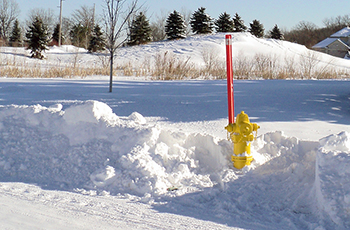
{"points": [[284, 13]]}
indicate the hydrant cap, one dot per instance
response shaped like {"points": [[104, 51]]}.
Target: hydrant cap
{"points": [[246, 128], [242, 117]]}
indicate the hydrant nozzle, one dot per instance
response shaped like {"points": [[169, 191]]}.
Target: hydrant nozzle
{"points": [[241, 134]]}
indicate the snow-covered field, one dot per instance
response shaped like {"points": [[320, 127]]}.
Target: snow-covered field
{"points": [[73, 156], [198, 50]]}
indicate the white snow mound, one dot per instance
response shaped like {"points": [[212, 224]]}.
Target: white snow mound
{"points": [[88, 146], [91, 112], [332, 183]]}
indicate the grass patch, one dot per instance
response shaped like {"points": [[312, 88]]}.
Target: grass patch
{"points": [[169, 66]]}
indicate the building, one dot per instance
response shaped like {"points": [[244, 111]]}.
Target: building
{"points": [[338, 44]]}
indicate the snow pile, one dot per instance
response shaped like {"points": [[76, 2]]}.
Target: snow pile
{"points": [[89, 146], [333, 178], [282, 192], [282, 187]]}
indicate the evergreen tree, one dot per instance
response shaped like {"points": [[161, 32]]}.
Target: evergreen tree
{"points": [[15, 38], [97, 41], [79, 35], [175, 27], [224, 23], [238, 24], [276, 33], [37, 35], [55, 35], [201, 22], [257, 29], [140, 30]]}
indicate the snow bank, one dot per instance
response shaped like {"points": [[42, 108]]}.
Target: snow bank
{"points": [[87, 146], [332, 183], [282, 192]]}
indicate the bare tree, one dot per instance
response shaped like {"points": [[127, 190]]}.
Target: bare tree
{"points": [[305, 33], [67, 25], [85, 16], [158, 27], [187, 17], [46, 15], [9, 11], [83, 20], [116, 19], [337, 23]]}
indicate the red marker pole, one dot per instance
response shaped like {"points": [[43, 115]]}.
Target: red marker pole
{"points": [[231, 107]]}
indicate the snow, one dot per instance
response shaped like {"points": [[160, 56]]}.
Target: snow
{"points": [[74, 156], [244, 45], [345, 32], [326, 42]]}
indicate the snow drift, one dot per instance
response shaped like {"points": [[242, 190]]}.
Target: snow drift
{"points": [[87, 146], [333, 178], [243, 45], [199, 51]]}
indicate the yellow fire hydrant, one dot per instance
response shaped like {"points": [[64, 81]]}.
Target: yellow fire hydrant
{"points": [[241, 134]]}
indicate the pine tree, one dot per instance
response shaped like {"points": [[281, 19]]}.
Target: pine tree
{"points": [[55, 34], [238, 24], [140, 31], [175, 27], [224, 23], [257, 29], [79, 35], [201, 22], [97, 41], [37, 35], [276, 33], [15, 38]]}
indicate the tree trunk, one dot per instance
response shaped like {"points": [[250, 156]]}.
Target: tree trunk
{"points": [[111, 72]]}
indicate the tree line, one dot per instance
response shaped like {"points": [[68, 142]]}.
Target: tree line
{"points": [[84, 30], [309, 34]]}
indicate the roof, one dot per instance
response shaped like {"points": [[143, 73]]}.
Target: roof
{"points": [[345, 32], [326, 42]]}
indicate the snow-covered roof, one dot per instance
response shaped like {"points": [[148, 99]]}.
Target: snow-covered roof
{"points": [[326, 42], [345, 32]]}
